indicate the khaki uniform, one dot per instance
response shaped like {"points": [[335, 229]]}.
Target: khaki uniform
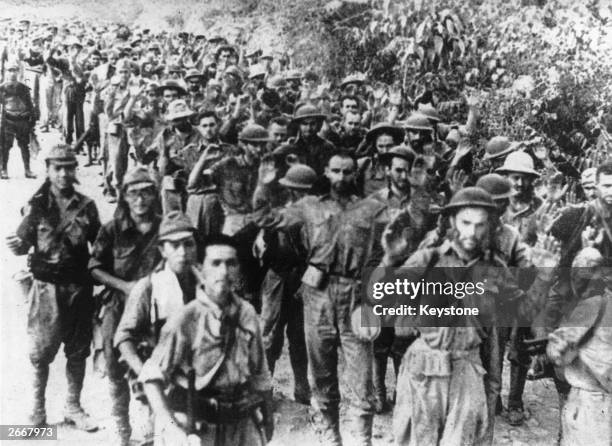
{"points": [[195, 338]]}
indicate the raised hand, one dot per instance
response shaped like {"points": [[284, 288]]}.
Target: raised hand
{"points": [[547, 252], [592, 237], [457, 181], [267, 170]]}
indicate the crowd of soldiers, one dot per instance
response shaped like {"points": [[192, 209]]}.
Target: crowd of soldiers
{"points": [[250, 198]]}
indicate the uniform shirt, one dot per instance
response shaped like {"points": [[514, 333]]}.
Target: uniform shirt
{"points": [[115, 100], [501, 301], [17, 99], [339, 240], [123, 251], [60, 237], [177, 151], [525, 220], [314, 152], [145, 313], [194, 337]]}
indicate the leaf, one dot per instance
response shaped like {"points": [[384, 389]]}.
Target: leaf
{"points": [[438, 44], [450, 27], [420, 51], [431, 55]]}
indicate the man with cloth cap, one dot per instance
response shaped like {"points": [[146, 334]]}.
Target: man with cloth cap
{"points": [[59, 223], [125, 250], [441, 395]]}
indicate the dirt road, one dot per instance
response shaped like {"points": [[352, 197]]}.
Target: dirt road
{"points": [[292, 419]]}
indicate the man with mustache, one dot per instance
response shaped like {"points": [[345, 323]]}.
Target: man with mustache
{"points": [[522, 214], [442, 397], [340, 231]]}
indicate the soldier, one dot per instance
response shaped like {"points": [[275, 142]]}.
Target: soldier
{"points": [[59, 223], [340, 231], [195, 81], [582, 348], [587, 182], [379, 139], [308, 146], [17, 118], [178, 148], [115, 103], [439, 403], [523, 213], [211, 359], [282, 309], [125, 250]]}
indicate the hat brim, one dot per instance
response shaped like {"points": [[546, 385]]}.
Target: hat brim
{"points": [[292, 185], [385, 158], [524, 171], [180, 90], [511, 193], [176, 236], [418, 128], [511, 148], [344, 84], [471, 204], [318, 116], [397, 133], [185, 114], [139, 185], [194, 76]]}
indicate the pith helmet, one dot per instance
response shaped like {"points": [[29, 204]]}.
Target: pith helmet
{"points": [[518, 162]]}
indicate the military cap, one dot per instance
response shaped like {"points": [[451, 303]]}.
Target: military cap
{"points": [[518, 162], [254, 133], [276, 82], [174, 68], [193, 73], [430, 111], [417, 121], [307, 111], [256, 71], [403, 152], [171, 84], [497, 186], [139, 178], [396, 132], [152, 85], [179, 109], [499, 146], [299, 176], [175, 226], [61, 154], [470, 197], [357, 78]]}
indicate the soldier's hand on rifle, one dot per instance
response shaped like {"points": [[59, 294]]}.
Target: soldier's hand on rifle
{"points": [[15, 244], [591, 237]]}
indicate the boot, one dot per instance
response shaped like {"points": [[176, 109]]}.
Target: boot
{"points": [[39, 415], [381, 405], [327, 426], [363, 430], [29, 174], [120, 397], [73, 412], [4, 175]]}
